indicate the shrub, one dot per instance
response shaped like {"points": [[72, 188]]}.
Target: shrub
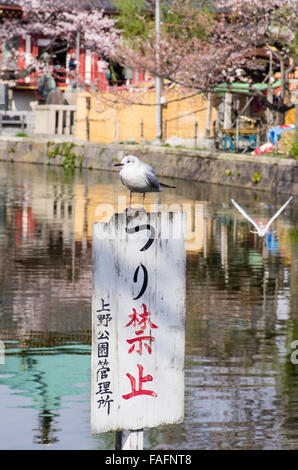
{"points": [[294, 149]]}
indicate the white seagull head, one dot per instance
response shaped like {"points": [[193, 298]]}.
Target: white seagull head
{"points": [[261, 229], [129, 160]]}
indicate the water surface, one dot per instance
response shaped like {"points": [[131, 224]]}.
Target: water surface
{"points": [[242, 314]]}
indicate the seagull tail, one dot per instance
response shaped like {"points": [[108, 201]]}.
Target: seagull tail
{"points": [[166, 186]]}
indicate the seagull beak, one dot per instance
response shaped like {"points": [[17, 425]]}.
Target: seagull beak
{"points": [[118, 164]]}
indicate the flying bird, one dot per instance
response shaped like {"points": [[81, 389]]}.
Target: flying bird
{"points": [[261, 230], [139, 177]]}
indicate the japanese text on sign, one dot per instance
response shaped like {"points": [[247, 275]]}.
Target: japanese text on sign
{"points": [[104, 393]]}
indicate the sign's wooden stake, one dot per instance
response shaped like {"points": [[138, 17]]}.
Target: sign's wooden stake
{"points": [[130, 440]]}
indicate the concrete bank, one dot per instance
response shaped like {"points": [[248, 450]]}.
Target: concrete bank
{"points": [[258, 172]]}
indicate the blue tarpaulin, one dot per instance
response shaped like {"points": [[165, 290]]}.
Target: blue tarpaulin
{"points": [[275, 132]]}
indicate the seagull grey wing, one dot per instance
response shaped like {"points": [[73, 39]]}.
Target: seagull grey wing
{"points": [[150, 177], [240, 209], [277, 213], [121, 179]]}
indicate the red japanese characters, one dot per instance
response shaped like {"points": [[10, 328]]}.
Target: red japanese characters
{"points": [[141, 323]]}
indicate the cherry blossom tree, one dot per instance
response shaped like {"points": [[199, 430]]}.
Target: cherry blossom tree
{"points": [[59, 22], [237, 43]]}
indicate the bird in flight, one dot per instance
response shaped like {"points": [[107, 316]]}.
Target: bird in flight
{"points": [[139, 177], [261, 230]]}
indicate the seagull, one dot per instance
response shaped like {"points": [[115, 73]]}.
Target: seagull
{"points": [[261, 230], [139, 177]]}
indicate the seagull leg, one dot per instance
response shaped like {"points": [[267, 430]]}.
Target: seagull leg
{"points": [[144, 194], [130, 196]]}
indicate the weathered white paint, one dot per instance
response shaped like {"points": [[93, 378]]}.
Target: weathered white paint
{"points": [[116, 256]]}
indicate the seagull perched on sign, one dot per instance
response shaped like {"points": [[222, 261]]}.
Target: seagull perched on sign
{"points": [[261, 230], [139, 177]]}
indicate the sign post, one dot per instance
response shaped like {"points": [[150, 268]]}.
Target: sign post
{"points": [[138, 324]]}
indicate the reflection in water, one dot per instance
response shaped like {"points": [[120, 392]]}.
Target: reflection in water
{"points": [[242, 313]]}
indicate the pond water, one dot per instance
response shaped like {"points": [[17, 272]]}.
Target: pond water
{"points": [[241, 376]]}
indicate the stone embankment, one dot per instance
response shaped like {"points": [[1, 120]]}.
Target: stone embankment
{"points": [[241, 170]]}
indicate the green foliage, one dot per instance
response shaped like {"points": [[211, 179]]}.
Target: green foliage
{"points": [[256, 177], [134, 19], [21, 134], [69, 160], [294, 149], [65, 150], [187, 18], [293, 234], [52, 153]]}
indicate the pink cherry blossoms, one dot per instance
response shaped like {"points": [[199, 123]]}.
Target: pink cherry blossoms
{"points": [[60, 22], [238, 39]]}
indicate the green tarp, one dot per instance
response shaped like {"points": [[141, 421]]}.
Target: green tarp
{"points": [[245, 87], [241, 87]]}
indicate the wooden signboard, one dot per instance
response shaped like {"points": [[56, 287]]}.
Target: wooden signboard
{"points": [[138, 321]]}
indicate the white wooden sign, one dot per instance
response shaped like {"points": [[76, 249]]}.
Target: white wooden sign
{"points": [[138, 321]]}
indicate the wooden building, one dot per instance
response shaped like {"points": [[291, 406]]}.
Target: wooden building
{"points": [[89, 75]]}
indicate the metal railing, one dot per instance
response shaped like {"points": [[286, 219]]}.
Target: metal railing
{"points": [[19, 120]]}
